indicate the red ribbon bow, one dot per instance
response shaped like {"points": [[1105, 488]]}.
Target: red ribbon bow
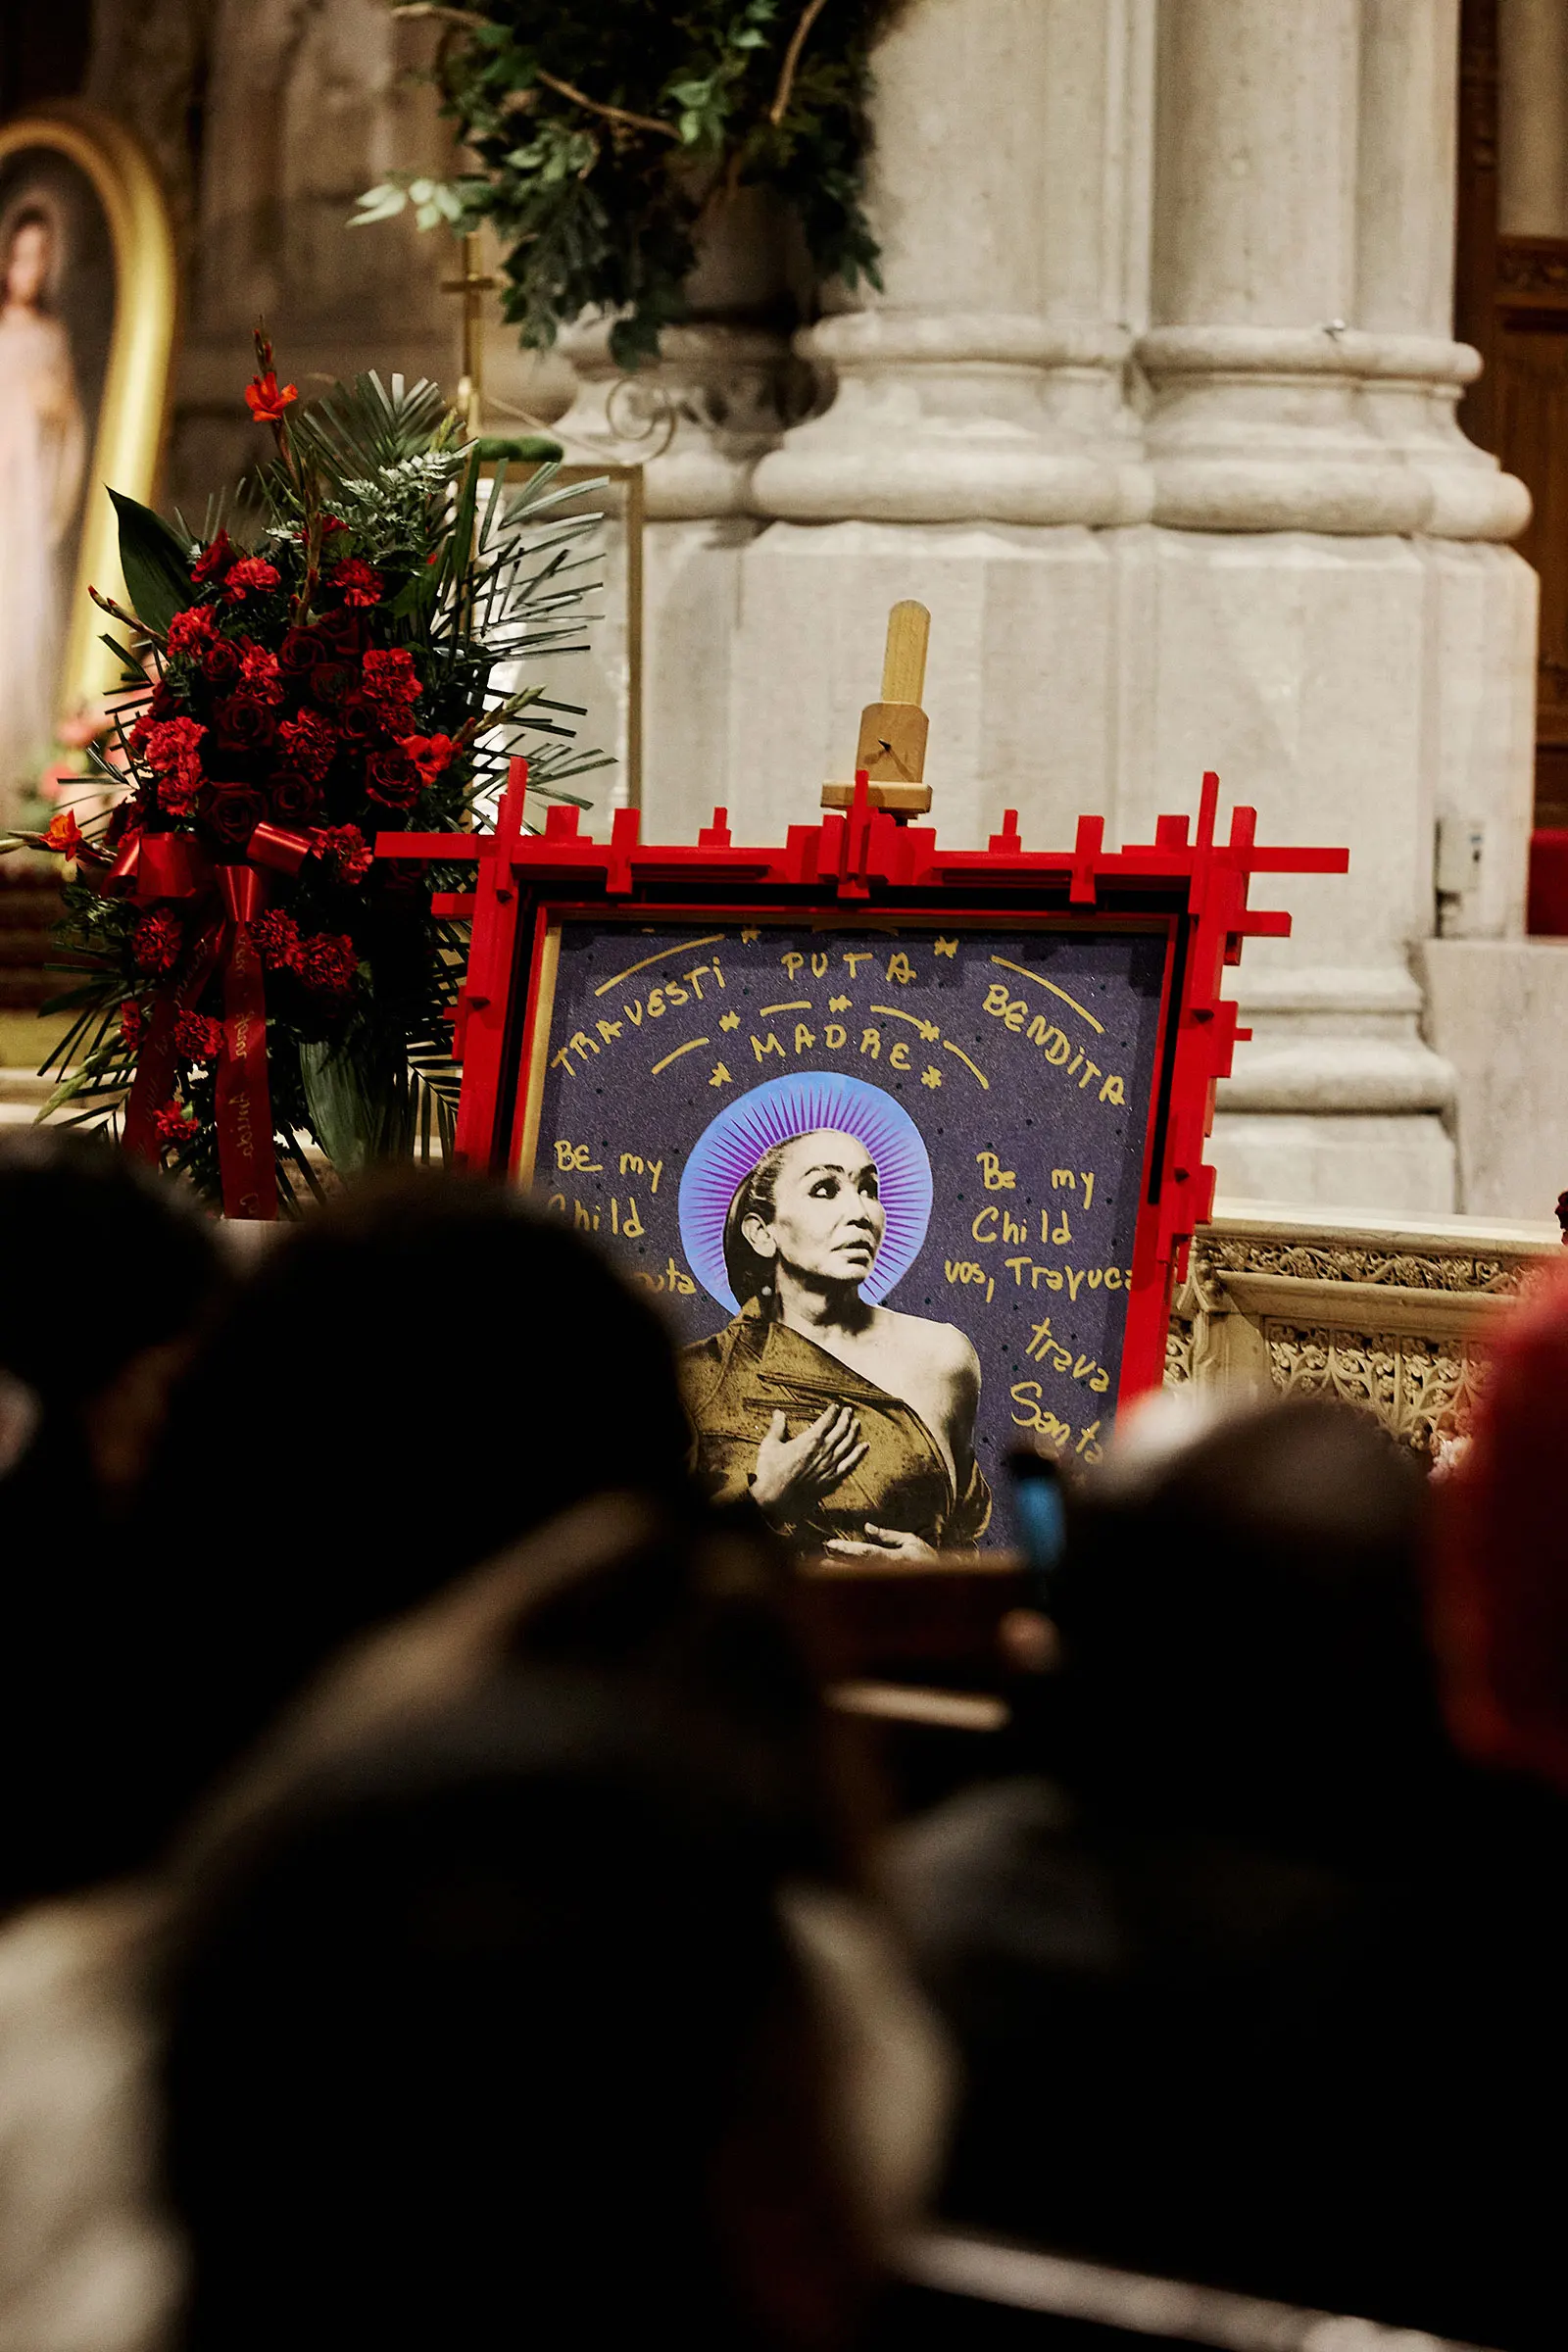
{"points": [[170, 865]]}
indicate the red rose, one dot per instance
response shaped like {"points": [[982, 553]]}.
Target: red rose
{"points": [[215, 560], [191, 632], [392, 778], [173, 1123], [331, 682], [356, 582], [235, 810], [157, 941], [432, 754], [294, 798], [301, 650], [327, 963], [343, 631], [277, 941], [259, 669], [310, 742], [132, 1023], [221, 662], [360, 722], [390, 677], [244, 721], [197, 1037], [344, 850], [250, 571]]}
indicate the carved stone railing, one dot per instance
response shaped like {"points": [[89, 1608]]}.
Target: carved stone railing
{"points": [[1387, 1313]]}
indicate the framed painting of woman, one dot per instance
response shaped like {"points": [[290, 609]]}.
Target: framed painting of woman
{"points": [[86, 330], [906, 1140]]}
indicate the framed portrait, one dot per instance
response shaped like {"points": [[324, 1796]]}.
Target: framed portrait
{"points": [[86, 331], [906, 1142]]}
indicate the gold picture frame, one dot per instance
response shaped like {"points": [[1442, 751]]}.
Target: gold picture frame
{"points": [[124, 438]]}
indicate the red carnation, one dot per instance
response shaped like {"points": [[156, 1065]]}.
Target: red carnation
{"points": [[392, 778], [132, 1023], [197, 1037], [190, 632], [172, 745], [259, 669], [266, 400], [390, 676], [432, 754], [357, 584], [157, 941], [346, 850], [309, 743], [173, 1123], [215, 560], [327, 963], [176, 794], [250, 571], [277, 941]]}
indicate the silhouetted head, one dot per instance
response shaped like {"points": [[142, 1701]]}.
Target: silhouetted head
{"points": [[421, 1373], [495, 2032], [1501, 1560], [1243, 1627]]}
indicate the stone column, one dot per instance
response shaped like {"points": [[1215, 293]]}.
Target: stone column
{"points": [[1317, 614], [979, 436]]}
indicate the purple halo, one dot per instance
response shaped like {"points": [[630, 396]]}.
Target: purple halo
{"points": [[730, 1146]]}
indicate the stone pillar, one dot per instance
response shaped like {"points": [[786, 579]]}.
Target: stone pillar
{"points": [[1318, 614], [979, 438]]}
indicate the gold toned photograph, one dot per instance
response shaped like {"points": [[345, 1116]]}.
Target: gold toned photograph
{"points": [[86, 325]]}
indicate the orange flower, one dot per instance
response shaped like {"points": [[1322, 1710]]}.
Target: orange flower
{"points": [[64, 834], [265, 401]]}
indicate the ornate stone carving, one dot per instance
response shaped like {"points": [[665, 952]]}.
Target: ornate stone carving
{"points": [[1330, 1262], [1422, 1391], [1178, 1353]]}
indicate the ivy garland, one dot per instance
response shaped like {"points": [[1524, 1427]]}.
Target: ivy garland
{"points": [[606, 128]]}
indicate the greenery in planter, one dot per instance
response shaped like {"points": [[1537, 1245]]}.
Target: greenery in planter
{"points": [[577, 110]]}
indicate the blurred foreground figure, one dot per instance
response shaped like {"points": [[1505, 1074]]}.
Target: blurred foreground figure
{"points": [[1503, 1561], [329, 1554], [109, 1273], [1256, 1984], [513, 2029]]}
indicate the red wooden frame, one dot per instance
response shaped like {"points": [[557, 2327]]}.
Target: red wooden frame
{"points": [[863, 859]]}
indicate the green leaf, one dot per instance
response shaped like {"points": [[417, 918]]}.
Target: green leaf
{"points": [[157, 569]]}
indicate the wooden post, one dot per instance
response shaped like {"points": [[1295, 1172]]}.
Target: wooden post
{"points": [[893, 732]]}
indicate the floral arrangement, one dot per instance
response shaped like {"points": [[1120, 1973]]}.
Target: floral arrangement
{"points": [[579, 114], [248, 979]]}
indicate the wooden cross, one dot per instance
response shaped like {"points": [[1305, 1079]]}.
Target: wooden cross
{"points": [[473, 285], [891, 742]]}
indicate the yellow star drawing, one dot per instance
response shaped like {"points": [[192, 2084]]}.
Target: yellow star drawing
{"points": [[750, 935], [729, 1021], [930, 1076], [721, 1075], [838, 1004], [946, 947]]}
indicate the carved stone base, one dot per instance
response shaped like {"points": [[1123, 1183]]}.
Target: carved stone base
{"points": [[1390, 1315]]}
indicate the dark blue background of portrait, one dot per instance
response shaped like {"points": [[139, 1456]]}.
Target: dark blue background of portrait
{"points": [[635, 1071]]}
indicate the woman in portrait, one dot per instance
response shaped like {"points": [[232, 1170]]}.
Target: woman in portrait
{"points": [[42, 453], [851, 1425]]}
